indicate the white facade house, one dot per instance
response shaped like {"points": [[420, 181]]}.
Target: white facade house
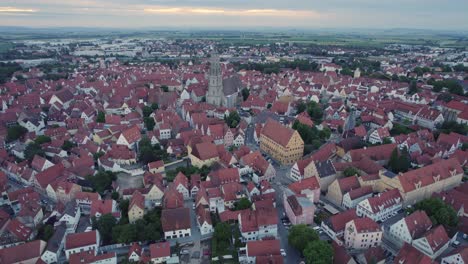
{"points": [[409, 228], [362, 233], [381, 207], [71, 217], [79, 242]]}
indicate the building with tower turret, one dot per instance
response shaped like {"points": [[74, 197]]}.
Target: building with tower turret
{"points": [[222, 92]]}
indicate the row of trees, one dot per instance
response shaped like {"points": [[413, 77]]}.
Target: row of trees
{"points": [[307, 241], [452, 86], [113, 231], [188, 171], [275, 67]]}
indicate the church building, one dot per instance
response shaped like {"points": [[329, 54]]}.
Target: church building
{"points": [[222, 92]]}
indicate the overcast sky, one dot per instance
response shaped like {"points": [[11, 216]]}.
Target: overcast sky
{"points": [[304, 14]]}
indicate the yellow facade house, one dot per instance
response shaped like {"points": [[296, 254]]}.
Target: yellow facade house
{"points": [[136, 209], [282, 143]]}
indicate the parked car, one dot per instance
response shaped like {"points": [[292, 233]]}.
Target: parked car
{"points": [[283, 252], [456, 243], [184, 251]]}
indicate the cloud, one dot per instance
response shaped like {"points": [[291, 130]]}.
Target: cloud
{"points": [[233, 12], [16, 10]]}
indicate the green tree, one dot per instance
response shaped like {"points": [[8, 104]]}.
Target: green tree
{"points": [[393, 161], [439, 212], [115, 196], [413, 88], [165, 88], [299, 235], [33, 149], [233, 119], [221, 238], [125, 233], [104, 225], [102, 180], [147, 111], [242, 204], [154, 106], [42, 139], [101, 117], [387, 141], [318, 252], [15, 132], [149, 123], [351, 171], [245, 93], [45, 232], [149, 153], [68, 145], [301, 107]]}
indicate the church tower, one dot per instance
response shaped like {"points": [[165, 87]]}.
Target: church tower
{"points": [[215, 93]]}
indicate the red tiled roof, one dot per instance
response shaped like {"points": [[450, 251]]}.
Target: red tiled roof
{"points": [[305, 184], [425, 175], [175, 219], [159, 250], [366, 225], [277, 132], [385, 200], [138, 200], [409, 255], [263, 248], [76, 240], [23, 252], [338, 222], [437, 238]]}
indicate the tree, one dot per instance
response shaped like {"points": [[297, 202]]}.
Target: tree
{"points": [[104, 225], [33, 149], [245, 93], [115, 196], [399, 161], [125, 233], [318, 252], [351, 171], [42, 139], [269, 106], [102, 181], [15, 132], [45, 232], [301, 107], [101, 117], [233, 119], [387, 141], [149, 123], [68, 145], [149, 153], [413, 88], [154, 106], [299, 235], [165, 88], [242, 204], [147, 111], [221, 238]]}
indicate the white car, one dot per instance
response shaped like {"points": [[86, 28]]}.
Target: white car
{"points": [[283, 252]]}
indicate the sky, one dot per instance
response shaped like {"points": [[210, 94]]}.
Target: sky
{"points": [[301, 14]]}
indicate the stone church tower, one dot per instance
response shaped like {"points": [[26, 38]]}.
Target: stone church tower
{"points": [[215, 93]]}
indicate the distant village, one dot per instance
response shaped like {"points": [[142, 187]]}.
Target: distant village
{"points": [[193, 151]]}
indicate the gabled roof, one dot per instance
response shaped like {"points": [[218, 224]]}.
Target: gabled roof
{"points": [[409, 255], [76, 240], [277, 132], [160, 250], [175, 219]]}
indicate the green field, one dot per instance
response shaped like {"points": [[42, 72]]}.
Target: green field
{"points": [[5, 46]]}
